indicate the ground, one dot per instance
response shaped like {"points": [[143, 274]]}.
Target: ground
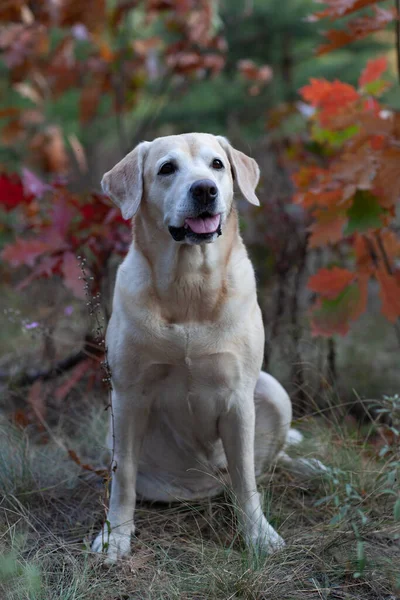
{"points": [[342, 528], [51, 508]]}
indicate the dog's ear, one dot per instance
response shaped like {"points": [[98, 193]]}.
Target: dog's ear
{"points": [[124, 183], [245, 170]]}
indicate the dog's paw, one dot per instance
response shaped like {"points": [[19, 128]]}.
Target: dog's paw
{"points": [[264, 539], [115, 544]]}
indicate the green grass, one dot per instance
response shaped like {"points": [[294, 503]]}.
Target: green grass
{"points": [[50, 508]]}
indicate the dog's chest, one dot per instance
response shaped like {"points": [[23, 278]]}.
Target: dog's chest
{"points": [[198, 358]]}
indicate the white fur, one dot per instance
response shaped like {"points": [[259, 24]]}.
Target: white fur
{"points": [[192, 411]]}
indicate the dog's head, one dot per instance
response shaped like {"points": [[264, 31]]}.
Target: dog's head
{"points": [[187, 181]]}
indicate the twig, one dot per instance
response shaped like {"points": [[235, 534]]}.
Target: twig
{"points": [[94, 307], [331, 359], [382, 250]]}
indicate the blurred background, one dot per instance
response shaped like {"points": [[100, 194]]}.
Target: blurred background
{"points": [[81, 85], [310, 90]]}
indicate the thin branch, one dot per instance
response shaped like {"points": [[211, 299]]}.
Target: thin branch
{"points": [[385, 257]]}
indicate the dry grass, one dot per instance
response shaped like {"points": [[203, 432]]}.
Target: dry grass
{"points": [[49, 509]]}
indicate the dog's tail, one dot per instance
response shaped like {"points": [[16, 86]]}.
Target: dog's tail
{"points": [[305, 467], [293, 438]]}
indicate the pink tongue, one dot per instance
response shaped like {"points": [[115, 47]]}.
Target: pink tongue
{"points": [[207, 225]]}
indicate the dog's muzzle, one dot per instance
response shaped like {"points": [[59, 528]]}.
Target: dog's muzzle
{"points": [[207, 224]]}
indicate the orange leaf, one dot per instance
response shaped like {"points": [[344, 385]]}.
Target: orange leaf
{"points": [[340, 8], [327, 230], [387, 180], [305, 176], [329, 97], [73, 456], [389, 293], [328, 224], [357, 29], [364, 260], [373, 71], [391, 243], [328, 199], [330, 282], [332, 316]]}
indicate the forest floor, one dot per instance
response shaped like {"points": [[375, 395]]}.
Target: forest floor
{"points": [[342, 528]]}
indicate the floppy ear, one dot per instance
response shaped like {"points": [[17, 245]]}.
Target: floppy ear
{"points": [[124, 183], [245, 170]]}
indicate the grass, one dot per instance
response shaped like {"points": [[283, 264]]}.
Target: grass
{"points": [[341, 529]]}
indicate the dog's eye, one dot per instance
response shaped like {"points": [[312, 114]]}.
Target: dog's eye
{"points": [[167, 169], [217, 164]]}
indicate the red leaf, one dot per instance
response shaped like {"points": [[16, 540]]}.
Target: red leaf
{"points": [[329, 97], [73, 456], [327, 230], [358, 29], [11, 192], [332, 316], [340, 8], [330, 282], [72, 273], [252, 72], [373, 71], [24, 252]]}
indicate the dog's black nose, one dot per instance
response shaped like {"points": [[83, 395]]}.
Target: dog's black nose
{"points": [[204, 190]]}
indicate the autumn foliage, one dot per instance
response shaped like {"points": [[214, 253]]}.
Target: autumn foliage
{"points": [[50, 49], [349, 183]]}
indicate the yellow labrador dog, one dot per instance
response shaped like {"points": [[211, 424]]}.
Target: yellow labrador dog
{"points": [[192, 408]]}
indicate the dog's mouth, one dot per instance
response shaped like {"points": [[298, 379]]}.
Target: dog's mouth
{"points": [[198, 229]]}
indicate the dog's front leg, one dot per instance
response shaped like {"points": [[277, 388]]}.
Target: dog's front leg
{"points": [[129, 425], [236, 428]]}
